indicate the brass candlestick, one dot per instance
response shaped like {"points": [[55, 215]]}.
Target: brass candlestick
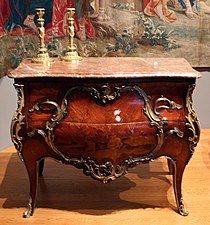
{"points": [[71, 55], [42, 56]]}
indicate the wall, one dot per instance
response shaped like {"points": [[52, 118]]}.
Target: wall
{"points": [[8, 105], [201, 100]]}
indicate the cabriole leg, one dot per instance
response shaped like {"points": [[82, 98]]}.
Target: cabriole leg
{"points": [[170, 167], [41, 167], [179, 167], [33, 179]]}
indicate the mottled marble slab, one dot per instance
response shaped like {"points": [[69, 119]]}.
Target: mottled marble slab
{"points": [[108, 67]]}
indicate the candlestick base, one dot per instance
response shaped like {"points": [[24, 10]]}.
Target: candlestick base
{"points": [[71, 57], [42, 58]]}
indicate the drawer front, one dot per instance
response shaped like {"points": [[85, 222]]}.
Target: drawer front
{"points": [[113, 122], [85, 102]]}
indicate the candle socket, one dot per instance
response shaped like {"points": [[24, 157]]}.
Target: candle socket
{"points": [[71, 54], [42, 55]]}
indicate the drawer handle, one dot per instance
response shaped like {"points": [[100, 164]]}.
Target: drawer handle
{"points": [[168, 104], [46, 106]]}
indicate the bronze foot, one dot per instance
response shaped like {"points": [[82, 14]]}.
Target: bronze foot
{"points": [[29, 210], [181, 208]]}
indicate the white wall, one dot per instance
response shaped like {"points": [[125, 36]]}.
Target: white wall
{"points": [[201, 99], [8, 98]]}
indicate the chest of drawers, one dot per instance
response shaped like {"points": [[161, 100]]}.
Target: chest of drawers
{"points": [[104, 115]]}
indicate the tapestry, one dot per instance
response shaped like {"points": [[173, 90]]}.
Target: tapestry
{"points": [[108, 28]]}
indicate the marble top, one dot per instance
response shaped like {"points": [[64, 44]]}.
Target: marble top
{"points": [[108, 67]]}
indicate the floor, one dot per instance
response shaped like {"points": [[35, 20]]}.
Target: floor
{"points": [[143, 196]]}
